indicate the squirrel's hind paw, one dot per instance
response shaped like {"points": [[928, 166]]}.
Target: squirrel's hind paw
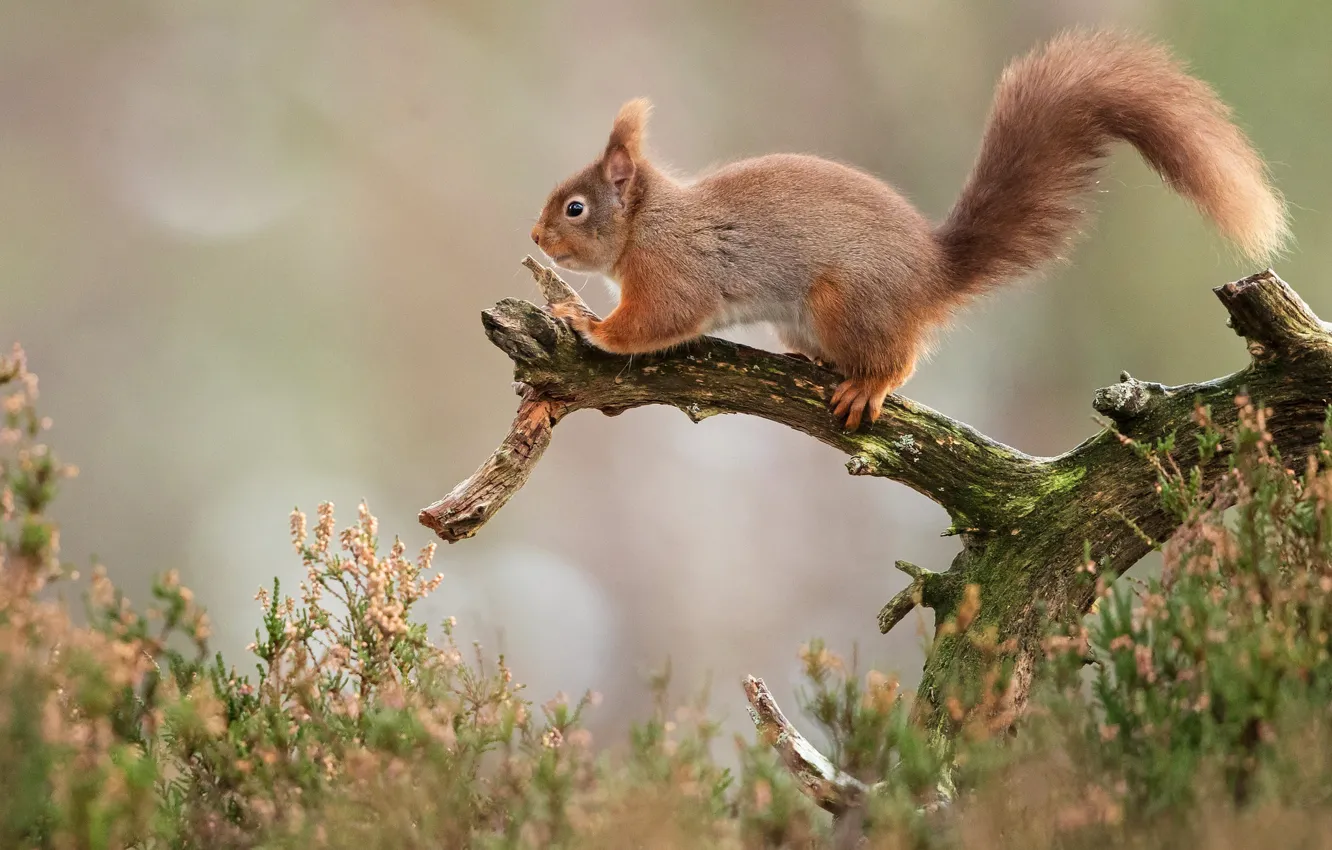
{"points": [[858, 399]]}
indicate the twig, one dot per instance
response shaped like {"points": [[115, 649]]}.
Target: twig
{"points": [[832, 789], [468, 506], [922, 591]]}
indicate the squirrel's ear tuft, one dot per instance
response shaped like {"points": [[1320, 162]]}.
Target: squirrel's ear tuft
{"points": [[630, 128]]}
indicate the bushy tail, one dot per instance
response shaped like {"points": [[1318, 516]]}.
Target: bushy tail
{"points": [[1055, 113]]}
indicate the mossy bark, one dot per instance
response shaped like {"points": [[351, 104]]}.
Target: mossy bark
{"points": [[1025, 522]]}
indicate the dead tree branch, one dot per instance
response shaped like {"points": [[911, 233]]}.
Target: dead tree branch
{"points": [[961, 469], [1023, 520]]}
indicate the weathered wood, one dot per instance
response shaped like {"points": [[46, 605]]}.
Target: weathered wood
{"points": [[468, 506], [832, 789]]}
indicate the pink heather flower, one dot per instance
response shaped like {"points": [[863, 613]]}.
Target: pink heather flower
{"points": [[298, 533], [1142, 655], [324, 528]]}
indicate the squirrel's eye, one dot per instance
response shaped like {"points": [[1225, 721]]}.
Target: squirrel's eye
{"points": [[574, 210]]}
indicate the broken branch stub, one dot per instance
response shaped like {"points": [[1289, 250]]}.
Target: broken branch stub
{"points": [[833, 790]]}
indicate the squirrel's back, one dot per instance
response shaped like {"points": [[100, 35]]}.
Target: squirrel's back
{"points": [[772, 224], [820, 206], [1055, 112]]}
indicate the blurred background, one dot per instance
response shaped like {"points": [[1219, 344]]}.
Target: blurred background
{"points": [[246, 245]]}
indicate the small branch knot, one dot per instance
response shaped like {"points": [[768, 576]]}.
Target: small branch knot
{"points": [[1128, 398], [916, 573], [698, 412], [861, 465]]}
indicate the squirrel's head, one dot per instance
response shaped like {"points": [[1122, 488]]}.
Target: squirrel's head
{"points": [[585, 222]]}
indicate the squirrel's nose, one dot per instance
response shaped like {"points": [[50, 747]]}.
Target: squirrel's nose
{"points": [[536, 234]]}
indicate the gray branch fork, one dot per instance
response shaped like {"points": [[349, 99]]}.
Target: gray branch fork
{"points": [[1024, 521]]}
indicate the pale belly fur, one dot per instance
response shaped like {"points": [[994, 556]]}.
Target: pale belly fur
{"points": [[789, 319]]}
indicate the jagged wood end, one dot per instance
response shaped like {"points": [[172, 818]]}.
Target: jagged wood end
{"points": [[915, 572], [553, 287], [1271, 316], [899, 607], [831, 789]]}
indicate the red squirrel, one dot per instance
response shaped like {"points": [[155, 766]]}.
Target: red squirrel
{"points": [[845, 268]]}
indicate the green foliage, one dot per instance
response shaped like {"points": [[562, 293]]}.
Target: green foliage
{"points": [[1204, 713]]}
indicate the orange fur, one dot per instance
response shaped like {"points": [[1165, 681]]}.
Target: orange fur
{"points": [[845, 268], [646, 319]]}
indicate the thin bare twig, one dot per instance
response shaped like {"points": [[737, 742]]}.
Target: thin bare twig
{"points": [[832, 789]]}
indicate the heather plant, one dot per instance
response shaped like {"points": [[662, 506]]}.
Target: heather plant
{"points": [[1227, 652], [355, 727], [1210, 684], [83, 709]]}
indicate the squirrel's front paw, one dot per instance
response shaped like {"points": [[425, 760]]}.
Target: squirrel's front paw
{"points": [[575, 314]]}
